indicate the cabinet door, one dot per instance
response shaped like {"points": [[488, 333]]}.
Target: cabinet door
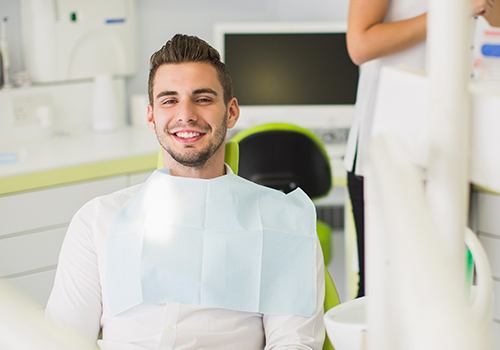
{"points": [[488, 209], [28, 253], [53, 206], [496, 300], [36, 286], [32, 228], [496, 334], [492, 247]]}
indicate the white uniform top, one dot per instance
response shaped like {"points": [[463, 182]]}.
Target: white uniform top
{"points": [[413, 58], [77, 302]]}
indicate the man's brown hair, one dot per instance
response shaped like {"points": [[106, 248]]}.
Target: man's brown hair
{"points": [[185, 48]]}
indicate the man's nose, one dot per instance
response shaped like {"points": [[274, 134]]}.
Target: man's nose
{"points": [[186, 112]]}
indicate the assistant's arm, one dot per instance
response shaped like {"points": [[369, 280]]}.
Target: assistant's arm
{"points": [[369, 37], [75, 300], [296, 332], [490, 9]]}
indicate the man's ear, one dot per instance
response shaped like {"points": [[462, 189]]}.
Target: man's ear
{"points": [[150, 118], [233, 111]]}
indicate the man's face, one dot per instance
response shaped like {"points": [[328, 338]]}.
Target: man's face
{"points": [[188, 114]]}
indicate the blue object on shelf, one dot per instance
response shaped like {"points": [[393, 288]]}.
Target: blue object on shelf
{"points": [[491, 50], [114, 20], [8, 157]]}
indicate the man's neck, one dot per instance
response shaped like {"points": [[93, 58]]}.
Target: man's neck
{"points": [[211, 169]]}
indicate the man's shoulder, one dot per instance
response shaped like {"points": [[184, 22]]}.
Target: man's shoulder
{"points": [[110, 203], [90, 223]]}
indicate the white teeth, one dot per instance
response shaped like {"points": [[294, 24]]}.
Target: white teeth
{"points": [[187, 135]]}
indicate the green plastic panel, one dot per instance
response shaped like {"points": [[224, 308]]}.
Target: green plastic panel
{"points": [[82, 172]]}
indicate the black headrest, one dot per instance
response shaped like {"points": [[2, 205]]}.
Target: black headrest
{"points": [[285, 160]]}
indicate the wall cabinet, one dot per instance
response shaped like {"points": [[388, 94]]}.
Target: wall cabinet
{"points": [[32, 229]]}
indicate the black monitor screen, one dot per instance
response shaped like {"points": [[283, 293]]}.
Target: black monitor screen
{"points": [[291, 68]]}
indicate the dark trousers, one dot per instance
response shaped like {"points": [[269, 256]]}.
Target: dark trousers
{"points": [[355, 187]]}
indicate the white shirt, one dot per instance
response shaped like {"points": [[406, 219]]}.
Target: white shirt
{"points": [[77, 302], [413, 58]]}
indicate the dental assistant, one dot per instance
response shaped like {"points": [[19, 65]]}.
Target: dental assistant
{"points": [[382, 33], [196, 257]]}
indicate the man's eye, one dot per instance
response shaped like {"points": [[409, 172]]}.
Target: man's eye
{"points": [[203, 100], [168, 101]]}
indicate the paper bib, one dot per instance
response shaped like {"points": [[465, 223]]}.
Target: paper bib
{"points": [[223, 243]]}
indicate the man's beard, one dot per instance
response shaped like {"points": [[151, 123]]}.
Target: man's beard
{"points": [[195, 159]]}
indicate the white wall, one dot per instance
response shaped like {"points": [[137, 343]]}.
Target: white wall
{"points": [[158, 20], [11, 10]]}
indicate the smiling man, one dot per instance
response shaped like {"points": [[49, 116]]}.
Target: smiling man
{"points": [[191, 108], [196, 257]]}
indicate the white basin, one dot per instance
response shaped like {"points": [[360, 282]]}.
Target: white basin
{"points": [[346, 325]]}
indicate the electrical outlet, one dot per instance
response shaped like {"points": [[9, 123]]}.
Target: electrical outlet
{"points": [[24, 108], [333, 136]]}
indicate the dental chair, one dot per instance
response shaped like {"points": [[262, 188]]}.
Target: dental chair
{"points": [[285, 156]]}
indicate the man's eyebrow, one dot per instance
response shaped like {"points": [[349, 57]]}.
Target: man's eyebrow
{"points": [[166, 93], [205, 91]]}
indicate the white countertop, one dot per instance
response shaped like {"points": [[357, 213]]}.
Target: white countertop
{"points": [[35, 162], [20, 155], [32, 162]]}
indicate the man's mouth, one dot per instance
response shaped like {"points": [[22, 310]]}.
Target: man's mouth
{"points": [[188, 135]]}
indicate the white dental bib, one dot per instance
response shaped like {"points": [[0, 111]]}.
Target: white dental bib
{"points": [[224, 242]]}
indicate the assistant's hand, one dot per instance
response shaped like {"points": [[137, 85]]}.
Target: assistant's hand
{"points": [[482, 7]]}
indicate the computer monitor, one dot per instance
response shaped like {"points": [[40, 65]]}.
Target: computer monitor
{"points": [[290, 72]]}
